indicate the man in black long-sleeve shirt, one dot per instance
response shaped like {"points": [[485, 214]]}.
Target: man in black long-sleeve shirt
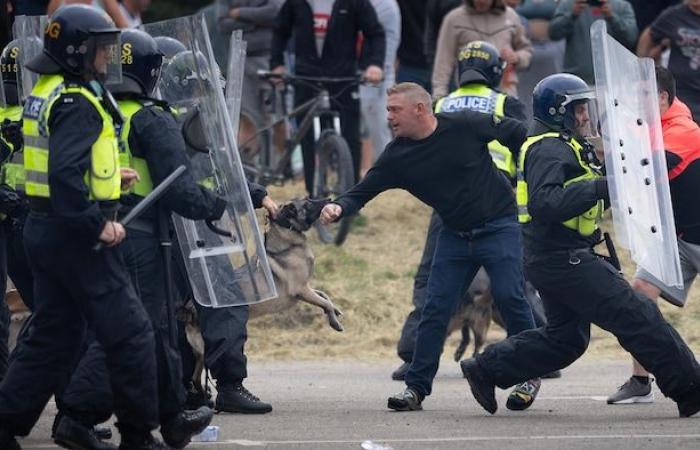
{"points": [[560, 199], [444, 161]]}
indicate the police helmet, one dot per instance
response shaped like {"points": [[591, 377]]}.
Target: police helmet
{"points": [[480, 62], [74, 38], [141, 63], [10, 70], [169, 47], [555, 98], [185, 77]]}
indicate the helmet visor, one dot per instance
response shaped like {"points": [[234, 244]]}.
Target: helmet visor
{"points": [[105, 58]]}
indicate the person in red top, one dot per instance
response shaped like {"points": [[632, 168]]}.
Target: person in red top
{"points": [[682, 143]]}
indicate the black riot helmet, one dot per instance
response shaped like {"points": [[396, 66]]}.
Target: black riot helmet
{"points": [[141, 62], [480, 62], [81, 41], [10, 69]]}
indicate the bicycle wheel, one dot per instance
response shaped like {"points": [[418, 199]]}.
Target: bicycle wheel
{"points": [[332, 177]]}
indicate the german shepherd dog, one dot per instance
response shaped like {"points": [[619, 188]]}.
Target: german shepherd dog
{"points": [[292, 265]]}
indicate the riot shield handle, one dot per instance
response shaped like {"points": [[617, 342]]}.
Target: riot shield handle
{"points": [[216, 230]]}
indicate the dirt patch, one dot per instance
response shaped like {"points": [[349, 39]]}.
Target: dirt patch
{"points": [[371, 279]]}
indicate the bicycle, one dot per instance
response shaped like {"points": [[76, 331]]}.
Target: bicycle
{"points": [[334, 171]]}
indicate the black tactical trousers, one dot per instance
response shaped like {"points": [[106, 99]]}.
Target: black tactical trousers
{"points": [[76, 286], [579, 288], [88, 396]]}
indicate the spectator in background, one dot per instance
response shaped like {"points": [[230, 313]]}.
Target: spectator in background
{"points": [[256, 19], [412, 65], [479, 20], [29, 7], [373, 98], [437, 10], [646, 11], [132, 10], [325, 34], [547, 55], [6, 18], [572, 21], [111, 7], [678, 28]]}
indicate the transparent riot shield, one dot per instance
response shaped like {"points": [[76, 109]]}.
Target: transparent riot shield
{"points": [[234, 78], [225, 260], [628, 107], [30, 31]]}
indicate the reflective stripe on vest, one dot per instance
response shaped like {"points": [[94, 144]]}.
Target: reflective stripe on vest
{"points": [[479, 98], [103, 178], [12, 172], [587, 223], [144, 187]]}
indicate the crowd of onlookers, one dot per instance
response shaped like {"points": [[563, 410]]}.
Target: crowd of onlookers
{"points": [[418, 40]]}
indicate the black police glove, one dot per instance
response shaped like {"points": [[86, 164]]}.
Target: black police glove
{"points": [[12, 204], [12, 133], [601, 189], [218, 210], [313, 208]]}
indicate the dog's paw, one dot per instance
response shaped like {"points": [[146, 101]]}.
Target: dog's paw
{"points": [[335, 323]]}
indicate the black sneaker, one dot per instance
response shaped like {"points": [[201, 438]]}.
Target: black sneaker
{"points": [[524, 395], [141, 441], [483, 389], [70, 433], [8, 441], [235, 398], [102, 432], [178, 431], [406, 400], [400, 373]]}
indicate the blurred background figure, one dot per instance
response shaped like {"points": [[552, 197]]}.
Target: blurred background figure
{"points": [[481, 20], [411, 62], [678, 29], [111, 7], [376, 133], [572, 21]]}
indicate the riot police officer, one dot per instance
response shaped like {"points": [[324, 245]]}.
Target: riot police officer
{"points": [[560, 200], [152, 144], [73, 183]]}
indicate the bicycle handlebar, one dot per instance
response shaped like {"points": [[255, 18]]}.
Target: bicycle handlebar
{"points": [[291, 78]]}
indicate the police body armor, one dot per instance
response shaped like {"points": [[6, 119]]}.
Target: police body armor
{"points": [[103, 178], [480, 98], [145, 185], [585, 224], [12, 172]]}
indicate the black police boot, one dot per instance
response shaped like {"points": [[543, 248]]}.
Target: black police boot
{"points": [[235, 398], [483, 389], [196, 398], [8, 441], [102, 432], [690, 403], [178, 431], [70, 433], [141, 441], [400, 373]]}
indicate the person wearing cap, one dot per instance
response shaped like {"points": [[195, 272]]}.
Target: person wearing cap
{"points": [[73, 183]]}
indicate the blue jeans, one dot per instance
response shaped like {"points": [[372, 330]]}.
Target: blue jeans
{"points": [[416, 75], [458, 256]]}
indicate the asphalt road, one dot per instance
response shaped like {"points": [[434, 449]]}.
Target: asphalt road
{"points": [[339, 405]]}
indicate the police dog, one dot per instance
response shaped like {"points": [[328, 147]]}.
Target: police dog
{"points": [[292, 265]]}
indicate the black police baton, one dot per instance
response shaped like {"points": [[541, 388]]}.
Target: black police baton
{"points": [[148, 201], [613, 259]]}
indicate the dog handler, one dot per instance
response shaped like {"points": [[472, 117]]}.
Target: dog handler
{"points": [[560, 199], [73, 185], [444, 161]]}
